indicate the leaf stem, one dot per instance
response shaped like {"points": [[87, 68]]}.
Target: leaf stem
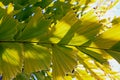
{"points": [[53, 44]]}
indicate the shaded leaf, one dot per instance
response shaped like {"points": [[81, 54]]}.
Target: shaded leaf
{"points": [[43, 3], [116, 47], [7, 28], [94, 55], [41, 75], [36, 28], [24, 13], [21, 76], [114, 54]]}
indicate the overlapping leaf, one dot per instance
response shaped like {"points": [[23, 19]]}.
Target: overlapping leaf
{"points": [[94, 55], [21, 76], [36, 28], [67, 30], [41, 75], [63, 59], [7, 28], [109, 40], [36, 58], [63, 26], [10, 60], [97, 70], [83, 30]]}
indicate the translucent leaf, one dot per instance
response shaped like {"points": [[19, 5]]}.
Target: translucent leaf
{"points": [[36, 58], [81, 74], [88, 65], [63, 26], [63, 59], [82, 31], [2, 5], [94, 55], [10, 60], [10, 8], [113, 4], [108, 39]]}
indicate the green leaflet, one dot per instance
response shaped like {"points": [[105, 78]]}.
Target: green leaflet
{"points": [[36, 58], [2, 12], [83, 75], [36, 28], [43, 3], [85, 5], [114, 54], [19, 2], [82, 31], [10, 60], [41, 75], [54, 26], [108, 38], [21, 76], [94, 55], [95, 68], [116, 21], [25, 13], [64, 61], [116, 47], [63, 26], [7, 28], [58, 10]]}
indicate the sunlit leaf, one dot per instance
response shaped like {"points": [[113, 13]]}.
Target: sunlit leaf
{"points": [[10, 60], [81, 74], [63, 26], [10, 8], [93, 55], [2, 5], [36, 58], [58, 40], [83, 30], [63, 60], [108, 39]]}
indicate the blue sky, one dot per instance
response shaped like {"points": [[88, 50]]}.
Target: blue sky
{"points": [[115, 11]]}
